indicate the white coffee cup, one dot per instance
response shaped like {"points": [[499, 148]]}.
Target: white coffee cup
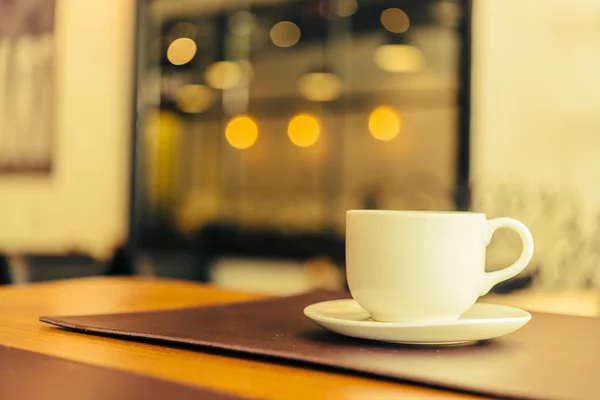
{"points": [[423, 266]]}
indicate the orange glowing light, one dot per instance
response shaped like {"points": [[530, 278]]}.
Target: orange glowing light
{"points": [[241, 132], [304, 130], [384, 123]]}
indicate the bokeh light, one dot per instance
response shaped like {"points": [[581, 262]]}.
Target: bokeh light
{"points": [[320, 86], [304, 130], [181, 51], [446, 13], [395, 20], [345, 8], [285, 34], [399, 58], [223, 75], [242, 22], [194, 99], [384, 123], [246, 71], [241, 132]]}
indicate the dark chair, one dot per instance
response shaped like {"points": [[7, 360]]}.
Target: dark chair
{"points": [[47, 267], [5, 275], [121, 263]]}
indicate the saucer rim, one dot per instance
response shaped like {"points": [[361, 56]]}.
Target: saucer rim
{"points": [[309, 311]]}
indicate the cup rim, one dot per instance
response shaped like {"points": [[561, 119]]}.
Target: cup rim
{"points": [[438, 213]]}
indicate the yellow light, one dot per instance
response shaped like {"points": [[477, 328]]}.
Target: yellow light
{"points": [[304, 130], [194, 98], [446, 13], [285, 34], [399, 58], [345, 8], [320, 86], [181, 51], [246, 70], [163, 138], [384, 123], [242, 23], [395, 20], [223, 74], [241, 132]]}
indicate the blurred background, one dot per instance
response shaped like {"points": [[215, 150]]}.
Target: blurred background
{"points": [[223, 141]]}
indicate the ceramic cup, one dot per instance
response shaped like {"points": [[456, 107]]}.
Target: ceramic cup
{"points": [[422, 266]]}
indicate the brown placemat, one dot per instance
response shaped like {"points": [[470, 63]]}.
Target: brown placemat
{"points": [[552, 357], [26, 375]]}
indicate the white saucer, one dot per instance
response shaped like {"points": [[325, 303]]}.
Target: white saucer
{"points": [[483, 321]]}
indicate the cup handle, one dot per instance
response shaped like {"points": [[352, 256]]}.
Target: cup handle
{"points": [[493, 278]]}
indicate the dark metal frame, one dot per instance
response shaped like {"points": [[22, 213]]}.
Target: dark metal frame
{"points": [[463, 167], [129, 252]]}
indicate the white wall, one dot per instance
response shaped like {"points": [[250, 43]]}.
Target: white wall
{"points": [[83, 204], [536, 131], [536, 92]]}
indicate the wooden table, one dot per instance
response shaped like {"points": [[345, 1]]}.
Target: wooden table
{"points": [[21, 305]]}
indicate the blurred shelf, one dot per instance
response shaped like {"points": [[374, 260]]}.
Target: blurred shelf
{"points": [[361, 102]]}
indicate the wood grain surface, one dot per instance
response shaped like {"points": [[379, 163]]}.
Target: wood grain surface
{"points": [[20, 307]]}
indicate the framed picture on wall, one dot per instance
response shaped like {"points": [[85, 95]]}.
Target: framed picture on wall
{"points": [[27, 86]]}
